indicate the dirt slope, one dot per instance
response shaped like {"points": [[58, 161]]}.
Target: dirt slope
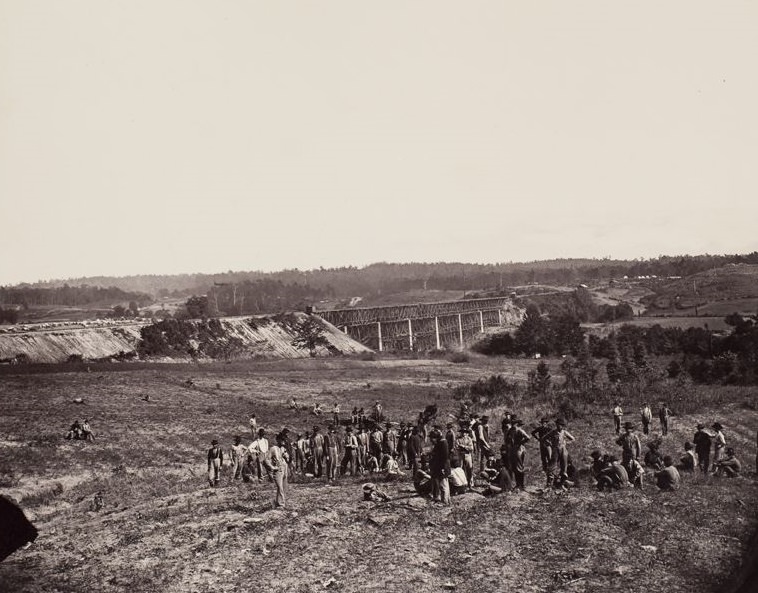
{"points": [[265, 337]]}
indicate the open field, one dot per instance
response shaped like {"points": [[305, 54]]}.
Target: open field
{"points": [[716, 324], [163, 529]]}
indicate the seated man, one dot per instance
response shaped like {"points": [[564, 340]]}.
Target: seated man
{"points": [[75, 431], [390, 466], [653, 457], [730, 466], [86, 431], [636, 473], [317, 411], [498, 476], [688, 463], [597, 465], [458, 479], [668, 478], [613, 476], [372, 464]]}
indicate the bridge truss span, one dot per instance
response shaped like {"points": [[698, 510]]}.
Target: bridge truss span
{"points": [[423, 326]]}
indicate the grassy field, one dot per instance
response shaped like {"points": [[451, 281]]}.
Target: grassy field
{"points": [[163, 529]]}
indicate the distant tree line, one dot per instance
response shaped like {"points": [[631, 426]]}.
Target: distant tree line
{"points": [[383, 278], [701, 354], [71, 296]]}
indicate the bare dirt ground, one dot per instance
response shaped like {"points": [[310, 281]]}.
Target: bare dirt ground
{"points": [[163, 528]]}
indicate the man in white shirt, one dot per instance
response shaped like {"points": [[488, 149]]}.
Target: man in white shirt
{"points": [[259, 449], [617, 414]]}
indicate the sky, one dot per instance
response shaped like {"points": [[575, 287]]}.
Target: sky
{"points": [[193, 136]]}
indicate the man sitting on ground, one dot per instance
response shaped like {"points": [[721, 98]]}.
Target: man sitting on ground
{"points": [[730, 466], [613, 476], [668, 478]]}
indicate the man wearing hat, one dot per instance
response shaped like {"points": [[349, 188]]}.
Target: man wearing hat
{"points": [[617, 412], [519, 438], [215, 461], [668, 478], [351, 452], [629, 443], [719, 442], [541, 435], [702, 441]]}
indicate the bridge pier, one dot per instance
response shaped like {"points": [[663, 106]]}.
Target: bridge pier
{"points": [[410, 335], [437, 332], [379, 333]]}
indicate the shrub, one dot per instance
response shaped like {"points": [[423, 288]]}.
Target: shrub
{"points": [[457, 357]]}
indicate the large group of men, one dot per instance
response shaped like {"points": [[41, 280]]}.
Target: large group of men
{"points": [[451, 460]]}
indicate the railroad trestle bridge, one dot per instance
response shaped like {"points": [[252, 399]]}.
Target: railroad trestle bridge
{"points": [[423, 326]]}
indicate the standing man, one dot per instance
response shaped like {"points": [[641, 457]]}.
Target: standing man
{"points": [[617, 414], [336, 414], [630, 444], [375, 442], [702, 442], [663, 415], [402, 444], [542, 436], [483, 441], [646, 414], [439, 466], [719, 442], [465, 446], [318, 451], [378, 416], [239, 455], [450, 436], [254, 425], [561, 438], [215, 461], [363, 439], [506, 451], [390, 440], [302, 450], [351, 452], [258, 449], [415, 449], [276, 462], [331, 443], [519, 439]]}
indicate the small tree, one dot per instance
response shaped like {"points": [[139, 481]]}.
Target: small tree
{"points": [[310, 334], [539, 379]]}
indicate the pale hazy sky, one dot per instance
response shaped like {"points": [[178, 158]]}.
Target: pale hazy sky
{"points": [[180, 136]]}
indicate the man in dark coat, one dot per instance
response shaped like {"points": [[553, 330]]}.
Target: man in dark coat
{"points": [[439, 466]]}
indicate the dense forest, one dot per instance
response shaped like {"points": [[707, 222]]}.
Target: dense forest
{"points": [[386, 278]]}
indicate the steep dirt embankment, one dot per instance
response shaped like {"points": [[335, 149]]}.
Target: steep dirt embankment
{"points": [[237, 337], [57, 345]]}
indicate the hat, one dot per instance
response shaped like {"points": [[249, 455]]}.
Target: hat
{"points": [[716, 426], [545, 419], [628, 425], [596, 454], [450, 425], [369, 487], [485, 418], [560, 422], [700, 426], [316, 429], [237, 440], [214, 442], [516, 420]]}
